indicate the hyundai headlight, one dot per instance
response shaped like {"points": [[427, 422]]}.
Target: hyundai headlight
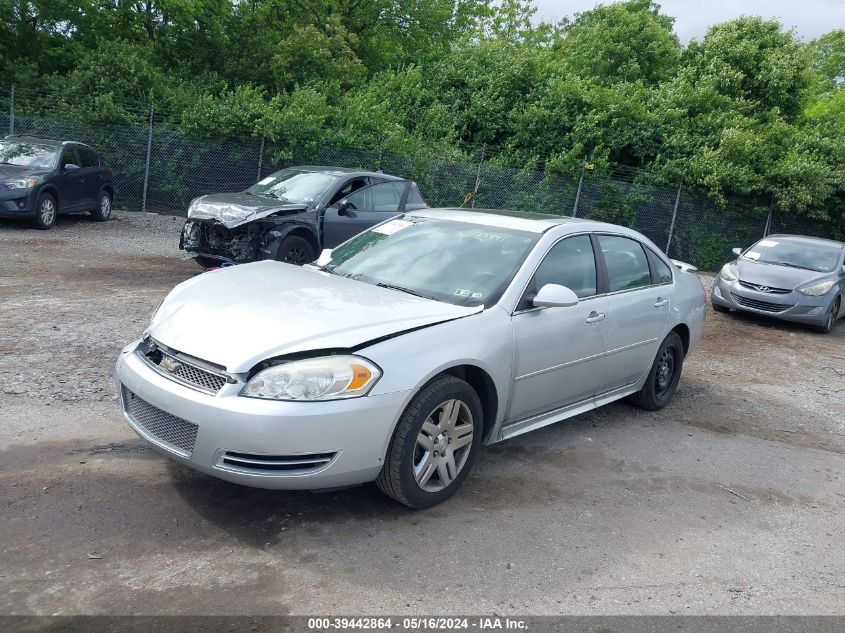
{"points": [[727, 274], [313, 379], [817, 290], [21, 183]]}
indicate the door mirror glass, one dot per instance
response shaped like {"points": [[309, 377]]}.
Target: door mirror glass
{"points": [[342, 207], [737, 251], [554, 296], [71, 167]]}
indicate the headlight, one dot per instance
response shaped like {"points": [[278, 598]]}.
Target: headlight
{"points": [[21, 183], [325, 378], [818, 289], [193, 206], [727, 274]]}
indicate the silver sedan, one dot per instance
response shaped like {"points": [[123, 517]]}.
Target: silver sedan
{"points": [[406, 348]]}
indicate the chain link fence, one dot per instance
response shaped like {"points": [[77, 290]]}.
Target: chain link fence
{"points": [[158, 168]]}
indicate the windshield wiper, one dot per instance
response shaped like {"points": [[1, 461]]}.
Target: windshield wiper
{"points": [[404, 289], [790, 265]]}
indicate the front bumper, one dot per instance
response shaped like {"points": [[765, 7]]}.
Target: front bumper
{"points": [[348, 437], [16, 203], [794, 306]]}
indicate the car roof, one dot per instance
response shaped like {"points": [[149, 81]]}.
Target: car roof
{"points": [[345, 171], [804, 239], [50, 142], [517, 220]]}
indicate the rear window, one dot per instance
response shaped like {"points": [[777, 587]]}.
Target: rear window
{"points": [[627, 266], [88, 157], [662, 272]]}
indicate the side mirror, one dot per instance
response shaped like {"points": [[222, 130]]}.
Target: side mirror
{"points": [[324, 258], [71, 167], [342, 207], [737, 251], [554, 296]]}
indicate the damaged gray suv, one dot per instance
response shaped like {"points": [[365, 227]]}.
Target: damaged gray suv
{"points": [[292, 214]]}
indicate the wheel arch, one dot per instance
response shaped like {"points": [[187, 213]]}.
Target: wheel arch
{"points": [[682, 330], [50, 190], [483, 384]]}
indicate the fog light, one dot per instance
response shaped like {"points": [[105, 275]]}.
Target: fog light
{"points": [[717, 292], [817, 310]]}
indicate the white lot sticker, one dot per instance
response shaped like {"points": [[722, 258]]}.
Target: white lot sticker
{"points": [[752, 255], [389, 228], [767, 243], [266, 181], [463, 292]]}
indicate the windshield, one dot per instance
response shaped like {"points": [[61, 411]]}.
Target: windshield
{"points": [[456, 262], [817, 256], [27, 155], [295, 185]]}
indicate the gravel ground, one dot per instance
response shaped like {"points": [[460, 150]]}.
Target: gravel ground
{"points": [[729, 501]]}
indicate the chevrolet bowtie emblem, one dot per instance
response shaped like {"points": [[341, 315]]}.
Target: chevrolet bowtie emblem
{"points": [[169, 365]]}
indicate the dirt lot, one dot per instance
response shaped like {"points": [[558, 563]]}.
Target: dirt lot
{"points": [[731, 500]]}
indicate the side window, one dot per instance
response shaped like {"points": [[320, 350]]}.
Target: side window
{"points": [[384, 196], [569, 263], [353, 185], [88, 158], [68, 156], [627, 266], [662, 272]]}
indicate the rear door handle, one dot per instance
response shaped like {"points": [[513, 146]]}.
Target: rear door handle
{"points": [[660, 302], [595, 317]]}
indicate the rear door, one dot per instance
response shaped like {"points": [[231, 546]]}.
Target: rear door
{"points": [[70, 183], [91, 175], [638, 309], [364, 208]]}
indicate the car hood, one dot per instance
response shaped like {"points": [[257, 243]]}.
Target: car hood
{"points": [[241, 315], [19, 171], [234, 209], [775, 276]]}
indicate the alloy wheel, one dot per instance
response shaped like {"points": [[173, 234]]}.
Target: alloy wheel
{"points": [[105, 206], [296, 256], [443, 445], [47, 211]]}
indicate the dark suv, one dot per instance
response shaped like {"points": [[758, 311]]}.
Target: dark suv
{"points": [[41, 178]]}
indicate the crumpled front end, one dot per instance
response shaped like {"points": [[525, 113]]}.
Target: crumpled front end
{"points": [[212, 243]]}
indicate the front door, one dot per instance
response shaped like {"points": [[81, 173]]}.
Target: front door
{"points": [[70, 183], [364, 208], [559, 352], [637, 312]]}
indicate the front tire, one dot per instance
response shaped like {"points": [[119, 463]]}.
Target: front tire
{"points": [[46, 211], [296, 250], [663, 376], [830, 323], [103, 210], [434, 445]]}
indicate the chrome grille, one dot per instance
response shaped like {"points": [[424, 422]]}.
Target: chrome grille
{"points": [[287, 463], [768, 289], [174, 432], [178, 367], [763, 306]]}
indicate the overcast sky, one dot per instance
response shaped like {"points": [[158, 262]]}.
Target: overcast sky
{"points": [[810, 18]]}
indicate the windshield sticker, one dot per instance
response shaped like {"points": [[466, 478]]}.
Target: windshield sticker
{"points": [[267, 180], [767, 243], [463, 292], [389, 228], [485, 235], [752, 255]]}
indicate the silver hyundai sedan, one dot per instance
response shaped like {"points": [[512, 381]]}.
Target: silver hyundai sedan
{"points": [[789, 277], [405, 348]]}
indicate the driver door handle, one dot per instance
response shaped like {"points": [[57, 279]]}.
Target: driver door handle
{"points": [[660, 302], [595, 317]]}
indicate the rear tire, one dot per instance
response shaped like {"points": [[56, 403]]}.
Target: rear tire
{"points": [[103, 210], [663, 376], [296, 250], [434, 445], [828, 326], [46, 210]]}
